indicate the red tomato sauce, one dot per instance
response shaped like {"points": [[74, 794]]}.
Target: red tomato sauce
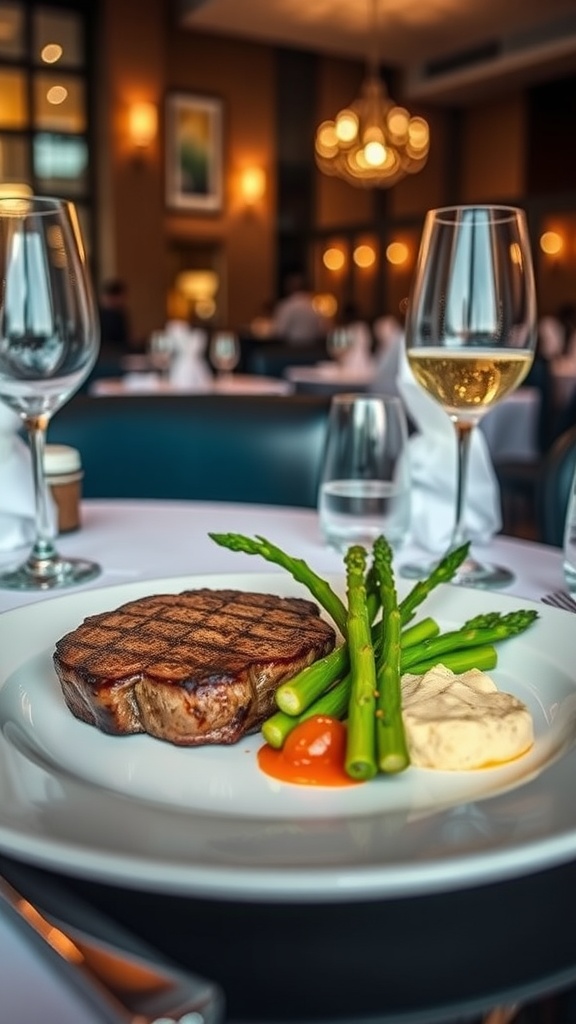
{"points": [[313, 755]]}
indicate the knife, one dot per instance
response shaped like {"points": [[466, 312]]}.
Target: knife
{"points": [[122, 988]]}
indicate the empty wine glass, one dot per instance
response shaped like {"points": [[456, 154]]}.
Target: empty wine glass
{"points": [[224, 352], [471, 332], [160, 352], [48, 345], [339, 342]]}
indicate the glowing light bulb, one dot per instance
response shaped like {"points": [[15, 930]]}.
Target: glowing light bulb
{"points": [[346, 126], [375, 154], [551, 243]]}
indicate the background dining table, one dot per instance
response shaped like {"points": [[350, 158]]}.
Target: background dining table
{"points": [[330, 377], [152, 383], [453, 930]]}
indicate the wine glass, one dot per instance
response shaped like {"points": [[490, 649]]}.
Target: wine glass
{"points": [[339, 342], [49, 342], [160, 352], [224, 352], [471, 332]]}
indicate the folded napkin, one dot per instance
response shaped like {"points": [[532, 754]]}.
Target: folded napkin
{"points": [[188, 366], [16, 485], [433, 463]]}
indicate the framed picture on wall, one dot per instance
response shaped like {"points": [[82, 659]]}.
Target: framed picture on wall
{"points": [[193, 153]]}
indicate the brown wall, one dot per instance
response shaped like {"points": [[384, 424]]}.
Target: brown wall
{"points": [[137, 232], [478, 154], [493, 147], [131, 230]]}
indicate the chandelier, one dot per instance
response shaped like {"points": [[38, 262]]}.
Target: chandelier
{"points": [[373, 142]]}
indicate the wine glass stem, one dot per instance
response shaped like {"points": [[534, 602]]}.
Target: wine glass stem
{"points": [[43, 551], [463, 440]]}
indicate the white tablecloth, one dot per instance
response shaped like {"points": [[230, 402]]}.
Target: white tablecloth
{"points": [[143, 540]]}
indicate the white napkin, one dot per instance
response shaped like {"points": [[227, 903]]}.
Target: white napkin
{"points": [[16, 485], [142, 381], [357, 357], [433, 462], [188, 366]]}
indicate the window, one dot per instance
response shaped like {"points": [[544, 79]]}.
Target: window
{"points": [[44, 100]]}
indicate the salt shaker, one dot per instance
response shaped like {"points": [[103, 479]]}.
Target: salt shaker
{"points": [[63, 469], [570, 539]]}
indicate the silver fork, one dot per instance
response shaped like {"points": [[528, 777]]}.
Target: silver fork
{"points": [[560, 599]]}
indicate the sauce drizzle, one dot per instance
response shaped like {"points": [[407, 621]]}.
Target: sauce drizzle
{"points": [[313, 754]]}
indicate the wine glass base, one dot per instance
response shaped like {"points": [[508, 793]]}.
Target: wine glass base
{"points": [[64, 572], [482, 576]]}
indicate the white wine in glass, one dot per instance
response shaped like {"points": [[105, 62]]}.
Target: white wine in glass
{"points": [[471, 333], [49, 342]]}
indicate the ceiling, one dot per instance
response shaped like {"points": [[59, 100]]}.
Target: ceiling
{"points": [[447, 50]]}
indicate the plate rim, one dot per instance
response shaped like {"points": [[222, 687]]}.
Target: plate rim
{"points": [[253, 882]]}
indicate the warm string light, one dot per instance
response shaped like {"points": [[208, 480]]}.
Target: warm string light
{"points": [[373, 142]]}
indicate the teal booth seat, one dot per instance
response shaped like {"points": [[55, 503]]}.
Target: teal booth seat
{"points": [[272, 358], [240, 448], [554, 487]]}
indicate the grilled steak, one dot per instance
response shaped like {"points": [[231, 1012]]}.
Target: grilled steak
{"points": [[192, 668]]}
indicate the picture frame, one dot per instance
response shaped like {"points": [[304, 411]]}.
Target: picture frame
{"points": [[194, 141]]}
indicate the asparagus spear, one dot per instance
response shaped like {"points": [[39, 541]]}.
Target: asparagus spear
{"points": [[442, 573], [335, 700], [360, 758], [483, 658], [296, 694], [422, 630], [482, 630], [392, 751], [297, 567]]}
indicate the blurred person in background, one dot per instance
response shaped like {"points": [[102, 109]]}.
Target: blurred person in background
{"points": [[115, 329], [295, 319], [389, 337]]}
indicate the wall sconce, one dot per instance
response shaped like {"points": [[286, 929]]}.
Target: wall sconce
{"points": [[18, 192], [14, 190], [333, 259], [364, 256], [142, 125], [326, 304], [551, 243], [199, 288], [252, 185], [397, 253]]}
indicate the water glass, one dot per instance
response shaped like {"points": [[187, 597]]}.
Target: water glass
{"points": [[365, 478], [570, 539]]}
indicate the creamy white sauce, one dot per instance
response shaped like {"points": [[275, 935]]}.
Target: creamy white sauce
{"points": [[458, 722]]}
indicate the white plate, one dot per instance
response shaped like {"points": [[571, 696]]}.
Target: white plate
{"points": [[207, 822]]}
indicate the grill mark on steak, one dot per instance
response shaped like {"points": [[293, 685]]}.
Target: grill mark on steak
{"points": [[192, 668]]}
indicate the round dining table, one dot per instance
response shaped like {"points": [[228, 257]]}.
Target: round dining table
{"points": [[294, 926]]}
